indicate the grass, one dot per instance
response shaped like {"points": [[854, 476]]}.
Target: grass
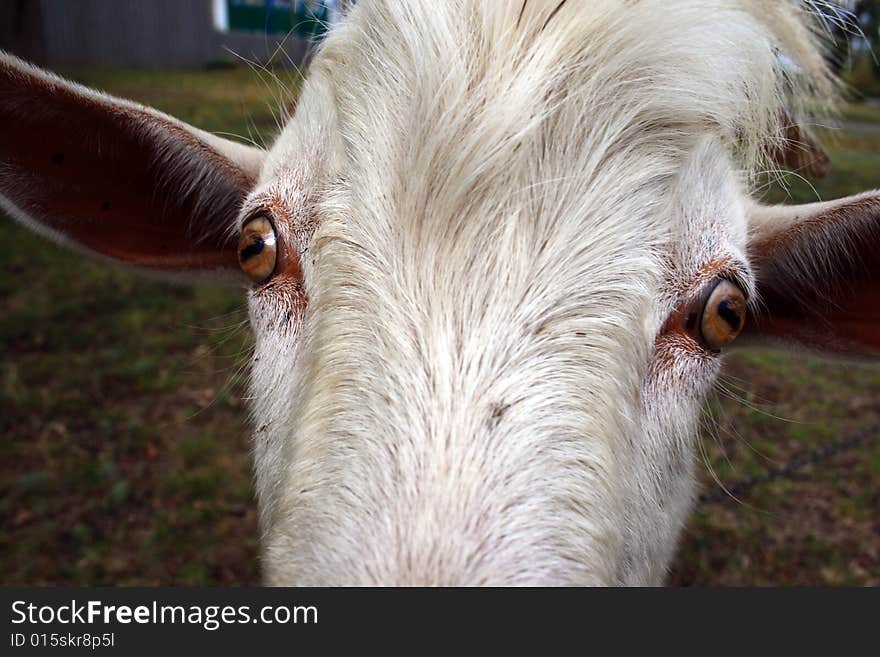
{"points": [[862, 112], [124, 457]]}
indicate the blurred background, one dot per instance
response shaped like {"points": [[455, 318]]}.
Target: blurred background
{"points": [[124, 450]]}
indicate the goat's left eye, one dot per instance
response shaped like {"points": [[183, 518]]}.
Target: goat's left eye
{"points": [[257, 249], [723, 315]]}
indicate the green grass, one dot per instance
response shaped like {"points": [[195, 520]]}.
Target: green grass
{"points": [[124, 453], [863, 112], [244, 102]]}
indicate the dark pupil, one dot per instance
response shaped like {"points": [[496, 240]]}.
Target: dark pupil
{"points": [[252, 249], [729, 314]]}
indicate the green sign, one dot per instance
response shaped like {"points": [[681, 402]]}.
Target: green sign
{"points": [[308, 19]]}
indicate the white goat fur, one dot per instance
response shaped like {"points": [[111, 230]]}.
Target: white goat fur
{"points": [[504, 214]]}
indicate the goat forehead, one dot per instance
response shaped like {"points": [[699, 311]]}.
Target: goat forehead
{"points": [[455, 89], [546, 142]]}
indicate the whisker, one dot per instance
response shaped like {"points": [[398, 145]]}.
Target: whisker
{"points": [[738, 398]]}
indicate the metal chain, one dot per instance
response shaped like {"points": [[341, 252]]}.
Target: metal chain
{"points": [[800, 461]]}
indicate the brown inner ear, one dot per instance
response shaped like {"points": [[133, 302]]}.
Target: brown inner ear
{"points": [[117, 179], [819, 282], [848, 325]]}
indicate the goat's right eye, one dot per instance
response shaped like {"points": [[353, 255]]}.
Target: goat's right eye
{"points": [[724, 314], [257, 249]]}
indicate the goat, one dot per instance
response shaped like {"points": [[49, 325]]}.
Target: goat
{"points": [[493, 260]]}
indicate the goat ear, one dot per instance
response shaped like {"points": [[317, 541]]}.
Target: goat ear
{"points": [[115, 178], [818, 268]]}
